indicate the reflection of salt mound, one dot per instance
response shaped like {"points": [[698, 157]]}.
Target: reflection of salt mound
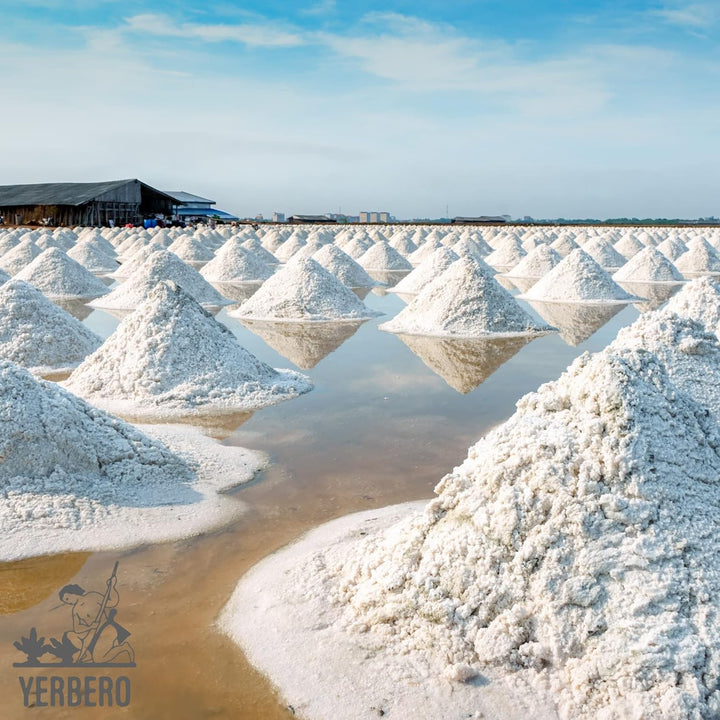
{"points": [[57, 275], [577, 278], [343, 267], [304, 344], [234, 263], [576, 321], [14, 260], [172, 356], [649, 265], [464, 363], [654, 294], [383, 257], [537, 263], [464, 301], [576, 548], [699, 300], [303, 291], [161, 265], [701, 258], [37, 334], [426, 271], [92, 258]]}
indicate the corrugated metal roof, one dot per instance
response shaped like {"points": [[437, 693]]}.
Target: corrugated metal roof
{"points": [[185, 197], [205, 212]]}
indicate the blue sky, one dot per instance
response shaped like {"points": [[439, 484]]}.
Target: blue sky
{"points": [[571, 109]]}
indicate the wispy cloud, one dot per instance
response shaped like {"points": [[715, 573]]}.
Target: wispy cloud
{"points": [[253, 35], [321, 8], [694, 16]]}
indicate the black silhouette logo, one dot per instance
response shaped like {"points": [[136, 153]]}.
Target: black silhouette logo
{"points": [[96, 638]]}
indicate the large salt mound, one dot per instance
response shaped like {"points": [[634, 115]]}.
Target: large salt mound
{"points": [[303, 291], [699, 300], [424, 251], [507, 256], [343, 267], [14, 260], [235, 263], [649, 265], [382, 256], [57, 275], [161, 265], [427, 271], [260, 253], [171, 357], [289, 248], [578, 278], [464, 301], [576, 548], [564, 245], [93, 258], [136, 261], [75, 478], [672, 248], [37, 334], [604, 254], [628, 245], [190, 249], [537, 263], [701, 258]]}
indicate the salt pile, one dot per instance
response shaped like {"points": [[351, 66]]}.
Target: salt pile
{"points": [[171, 357], [577, 278], [289, 248], [604, 254], [564, 245], [343, 267], [672, 248], [628, 245], [576, 548], [136, 261], [699, 300], [701, 258], [191, 250], [303, 291], [508, 255], [260, 253], [426, 271], [536, 263], [424, 251], [37, 334], [649, 265], [382, 256], [464, 301], [234, 263], [14, 260], [92, 258], [161, 265], [74, 478], [57, 275]]}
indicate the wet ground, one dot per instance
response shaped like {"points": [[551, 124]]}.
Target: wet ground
{"points": [[388, 417]]}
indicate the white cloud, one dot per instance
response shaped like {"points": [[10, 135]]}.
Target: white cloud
{"points": [[694, 16], [322, 7]]}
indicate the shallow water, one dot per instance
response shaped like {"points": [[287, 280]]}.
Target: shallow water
{"points": [[388, 417]]}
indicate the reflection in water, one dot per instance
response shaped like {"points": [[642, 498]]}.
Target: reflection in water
{"points": [[106, 279], [576, 321], [218, 425], [239, 292], [464, 363], [304, 344], [361, 292], [654, 294], [522, 284], [389, 278], [75, 306], [505, 282]]}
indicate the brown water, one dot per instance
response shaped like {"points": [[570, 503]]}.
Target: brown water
{"points": [[382, 426]]}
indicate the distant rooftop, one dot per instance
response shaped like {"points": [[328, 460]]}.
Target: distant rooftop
{"points": [[205, 212], [185, 197]]}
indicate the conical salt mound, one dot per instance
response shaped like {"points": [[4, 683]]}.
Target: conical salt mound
{"points": [[136, 261], [37, 334], [427, 248], [161, 265], [426, 271], [4, 277], [578, 541], [628, 245], [57, 275], [473, 248], [701, 258], [303, 291], [507, 255], [564, 245], [14, 260], [672, 248], [234, 263], [289, 248], [649, 265], [604, 254], [92, 258], [464, 301], [190, 249], [170, 356], [343, 267], [699, 300], [7, 242], [382, 256], [578, 278], [260, 253], [537, 263], [403, 244], [357, 247]]}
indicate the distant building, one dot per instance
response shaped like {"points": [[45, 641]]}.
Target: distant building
{"points": [[374, 217], [310, 219], [278, 217], [119, 201], [481, 220], [193, 207]]}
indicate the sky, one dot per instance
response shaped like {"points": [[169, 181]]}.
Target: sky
{"points": [[559, 108]]}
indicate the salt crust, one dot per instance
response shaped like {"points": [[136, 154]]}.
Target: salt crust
{"points": [[39, 335], [74, 478], [57, 275], [576, 549], [464, 301], [303, 291], [170, 357]]}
